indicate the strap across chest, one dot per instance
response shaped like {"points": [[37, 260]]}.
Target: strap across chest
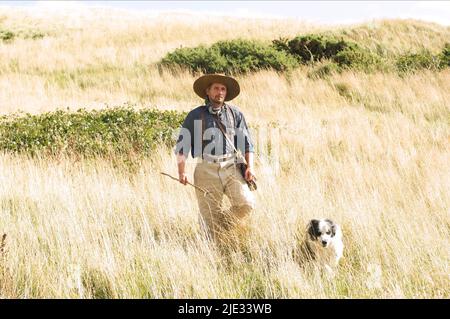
{"points": [[230, 114]]}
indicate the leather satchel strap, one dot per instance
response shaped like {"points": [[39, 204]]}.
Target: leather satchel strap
{"points": [[222, 129], [202, 116], [251, 184]]}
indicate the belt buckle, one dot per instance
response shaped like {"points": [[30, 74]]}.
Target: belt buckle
{"points": [[213, 160]]}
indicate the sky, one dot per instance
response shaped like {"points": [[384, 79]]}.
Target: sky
{"points": [[323, 12]]}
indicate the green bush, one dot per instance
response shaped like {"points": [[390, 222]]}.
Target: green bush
{"points": [[358, 58], [313, 48], [235, 56], [246, 56], [281, 44], [201, 59], [111, 131], [6, 35], [445, 55], [243, 56], [33, 34], [416, 61]]}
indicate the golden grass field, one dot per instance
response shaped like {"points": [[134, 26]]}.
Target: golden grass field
{"points": [[370, 151]]}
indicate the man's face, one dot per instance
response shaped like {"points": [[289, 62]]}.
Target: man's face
{"points": [[217, 93]]}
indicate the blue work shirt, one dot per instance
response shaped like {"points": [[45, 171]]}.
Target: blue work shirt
{"points": [[214, 143]]}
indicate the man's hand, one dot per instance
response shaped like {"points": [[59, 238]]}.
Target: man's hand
{"points": [[249, 174], [182, 177]]}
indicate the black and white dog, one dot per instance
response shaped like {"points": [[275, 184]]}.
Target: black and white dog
{"points": [[323, 243]]}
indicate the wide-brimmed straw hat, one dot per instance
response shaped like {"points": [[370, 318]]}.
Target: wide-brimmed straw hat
{"points": [[202, 83]]}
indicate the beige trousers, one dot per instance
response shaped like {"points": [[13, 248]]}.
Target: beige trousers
{"points": [[219, 179]]}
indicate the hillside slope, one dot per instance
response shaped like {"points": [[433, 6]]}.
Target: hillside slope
{"points": [[90, 58], [368, 150]]}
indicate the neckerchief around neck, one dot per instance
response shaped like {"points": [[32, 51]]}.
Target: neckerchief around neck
{"points": [[213, 111]]}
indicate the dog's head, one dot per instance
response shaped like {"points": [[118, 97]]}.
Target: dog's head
{"points": [[322, 231]]}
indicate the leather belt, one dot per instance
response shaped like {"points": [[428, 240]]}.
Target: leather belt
{"points": [[218, 159]]}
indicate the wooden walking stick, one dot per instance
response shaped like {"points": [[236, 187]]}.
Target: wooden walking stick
{"points": [[174, 178]]}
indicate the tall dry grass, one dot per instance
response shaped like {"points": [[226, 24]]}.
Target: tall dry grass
{"points": [[370, 151], [93, 57]]}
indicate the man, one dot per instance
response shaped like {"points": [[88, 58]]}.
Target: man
{"points": [[216, 171]]}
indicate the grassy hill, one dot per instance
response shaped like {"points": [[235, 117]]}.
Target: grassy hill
{"points": [[369, 150], [92, 57]]}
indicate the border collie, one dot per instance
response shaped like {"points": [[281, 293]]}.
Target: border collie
{"points": [[323, 243]]}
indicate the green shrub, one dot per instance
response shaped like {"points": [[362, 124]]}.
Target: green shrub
{"points": [[356, 57], [6, 35], [313, 48], [416, 61], [445, 55], [243, 56], [196, 59], [235, 56], [246, 56], [111, 131], [281, 44], [33, 34]]}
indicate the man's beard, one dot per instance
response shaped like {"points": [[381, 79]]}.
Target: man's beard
{"points": [[218, 100]]}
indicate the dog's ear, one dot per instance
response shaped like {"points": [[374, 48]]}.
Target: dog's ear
{"points": [[313, 229], [333, 227]]}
